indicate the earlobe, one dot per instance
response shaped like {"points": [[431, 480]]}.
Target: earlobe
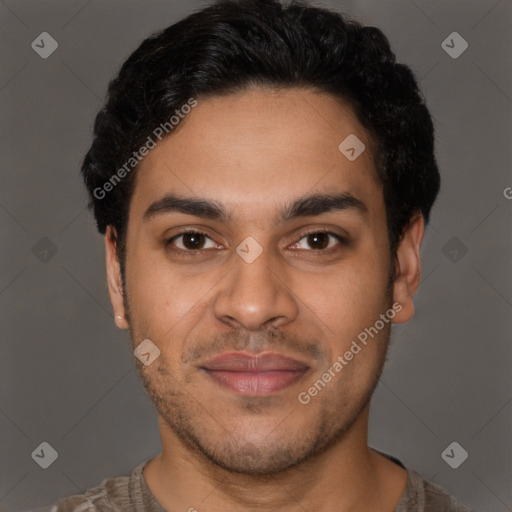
{"points": [[114, 281], [408, 268]]}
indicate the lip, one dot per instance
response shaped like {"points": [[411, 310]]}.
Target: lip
{"points": [[252, 375]]}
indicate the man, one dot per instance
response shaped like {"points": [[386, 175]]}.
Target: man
{"points": [[263, 175]]}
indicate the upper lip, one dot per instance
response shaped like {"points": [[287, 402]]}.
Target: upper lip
{"points": [[241, 362]]}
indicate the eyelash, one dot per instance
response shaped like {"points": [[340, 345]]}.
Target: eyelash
{"points": [[168, 242]]}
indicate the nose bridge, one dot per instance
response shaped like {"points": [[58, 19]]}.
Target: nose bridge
{"points": [[255, 292]]}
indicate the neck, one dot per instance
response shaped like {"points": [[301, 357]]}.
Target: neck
{"points": [[337, 480]]}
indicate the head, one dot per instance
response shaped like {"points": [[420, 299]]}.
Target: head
{"points": [[230, 124]]}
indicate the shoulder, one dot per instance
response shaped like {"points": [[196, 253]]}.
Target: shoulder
{"points": [[420, 495], [105, 496], [111, 495], [423, 496], [436, 496]]}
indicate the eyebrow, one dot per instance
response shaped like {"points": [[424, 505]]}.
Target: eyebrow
{"points": [[307, 206]]}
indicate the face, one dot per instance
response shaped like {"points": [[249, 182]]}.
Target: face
{"points": [[256, 270]]}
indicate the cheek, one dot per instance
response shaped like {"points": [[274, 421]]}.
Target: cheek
{"points": [[165, 302], [351, 297]]}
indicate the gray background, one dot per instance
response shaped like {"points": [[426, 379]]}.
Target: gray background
{"points": [[67, 374]]}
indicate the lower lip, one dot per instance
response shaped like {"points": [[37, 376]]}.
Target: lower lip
{"points": [[256, 383]]}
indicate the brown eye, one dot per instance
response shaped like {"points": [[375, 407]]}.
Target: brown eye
{"points": [[191, 241], [319, 241]]}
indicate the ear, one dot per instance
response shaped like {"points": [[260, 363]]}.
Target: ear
{"points": [[408, 268], [114, 281]]}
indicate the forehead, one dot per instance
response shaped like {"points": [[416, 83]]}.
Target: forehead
{"points": [[257, 148]]}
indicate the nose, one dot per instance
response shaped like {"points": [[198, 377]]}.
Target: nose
{"points": [[256, 295]]}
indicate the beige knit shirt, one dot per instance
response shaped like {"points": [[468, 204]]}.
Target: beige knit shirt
{"points": [[132, 494]]}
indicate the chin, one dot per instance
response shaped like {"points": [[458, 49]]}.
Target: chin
{"points": [[252, 460]]}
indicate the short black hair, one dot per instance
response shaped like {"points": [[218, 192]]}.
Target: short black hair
{"points": [[233, 44]]}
